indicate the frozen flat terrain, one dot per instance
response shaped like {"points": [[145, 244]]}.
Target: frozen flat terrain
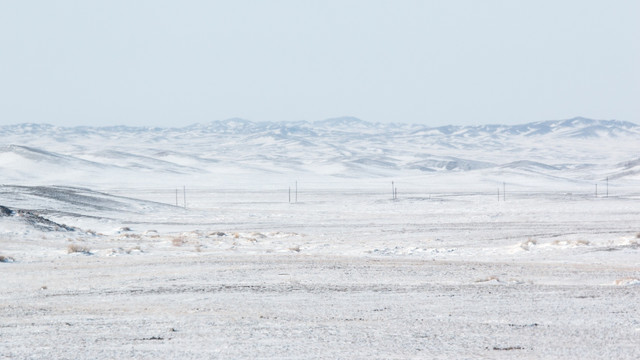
{"points": [[99, 262]]}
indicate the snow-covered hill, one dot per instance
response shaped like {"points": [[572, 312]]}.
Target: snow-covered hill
{"points": [[238, 151]]}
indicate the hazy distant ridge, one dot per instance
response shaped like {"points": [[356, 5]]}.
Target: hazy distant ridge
{"points": [[574, 127], [573, 149]]}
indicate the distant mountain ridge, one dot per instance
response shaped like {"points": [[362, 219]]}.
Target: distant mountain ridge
{"points": [[578, 126], [347, 147]]}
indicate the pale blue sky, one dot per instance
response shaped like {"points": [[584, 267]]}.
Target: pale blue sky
{"points": [[173, 63]]}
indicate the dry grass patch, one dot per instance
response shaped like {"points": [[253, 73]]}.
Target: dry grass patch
{"points": [[627, 281], [130, 236], [77, 248], [152, 234]]}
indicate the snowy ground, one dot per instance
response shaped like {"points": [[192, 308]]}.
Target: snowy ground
{"points": [[339, 274]]}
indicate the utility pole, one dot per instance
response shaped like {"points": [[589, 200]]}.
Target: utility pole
{"points": [[504, 191], [393, 191], [176, 196], [184, 193], [596, 189], [296, 191], [289, 194]]}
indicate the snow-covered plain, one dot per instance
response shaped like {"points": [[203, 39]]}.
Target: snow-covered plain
{"points": [[99, 262]]}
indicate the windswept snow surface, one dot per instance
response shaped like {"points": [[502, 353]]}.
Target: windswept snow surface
{"points": [[100, 259]]}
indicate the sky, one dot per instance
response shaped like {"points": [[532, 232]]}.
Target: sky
{"points": [[455, 62]]}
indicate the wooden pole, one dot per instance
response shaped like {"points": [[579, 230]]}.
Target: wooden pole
{"points": [[504, 191]]}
